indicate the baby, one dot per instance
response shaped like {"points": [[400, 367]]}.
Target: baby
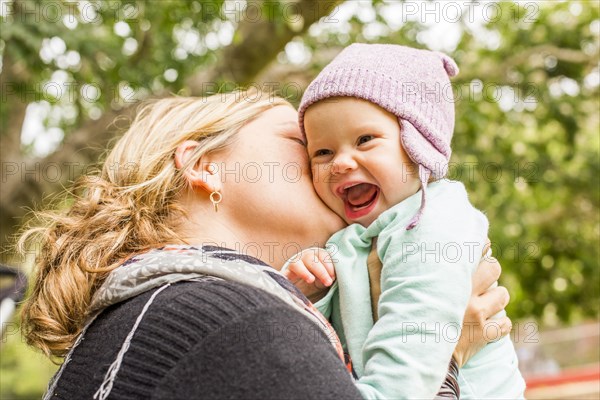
{"points": [[378, 122]]}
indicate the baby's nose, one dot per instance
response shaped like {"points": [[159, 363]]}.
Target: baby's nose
{"points": [[343, 163]]}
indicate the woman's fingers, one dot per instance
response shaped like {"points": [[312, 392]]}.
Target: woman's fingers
{"points": [[487, 247], [494, 329], [487, 273], [492, 302], [487, 299]]}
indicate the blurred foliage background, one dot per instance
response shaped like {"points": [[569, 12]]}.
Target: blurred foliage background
{"points": [[526, 141]]}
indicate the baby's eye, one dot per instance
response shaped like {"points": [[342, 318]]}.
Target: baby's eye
{"points": [[365, 139], [321, 152]]}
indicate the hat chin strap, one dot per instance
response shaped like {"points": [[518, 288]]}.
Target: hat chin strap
{"points": [[424, 174]]}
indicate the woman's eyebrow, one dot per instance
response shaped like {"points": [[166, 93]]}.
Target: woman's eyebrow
{"points": [[291, 127], [289, 124]]}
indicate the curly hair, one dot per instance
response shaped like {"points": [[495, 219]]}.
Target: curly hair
{"points": [[127, 207]]}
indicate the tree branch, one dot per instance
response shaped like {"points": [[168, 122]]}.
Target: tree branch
{"points": [[261, 42]]}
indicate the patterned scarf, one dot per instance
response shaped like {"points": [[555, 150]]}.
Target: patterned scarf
{"points": [[174, 263]]}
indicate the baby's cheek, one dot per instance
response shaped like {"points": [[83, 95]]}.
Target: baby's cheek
{"points": [[320, 190], [317, 176], [330, 200], [321, 184]]}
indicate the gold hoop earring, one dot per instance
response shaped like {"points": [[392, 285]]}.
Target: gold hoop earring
{"points": [[217, 201]]}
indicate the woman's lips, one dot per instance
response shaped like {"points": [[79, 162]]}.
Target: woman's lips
{"points": [[357, 205]]}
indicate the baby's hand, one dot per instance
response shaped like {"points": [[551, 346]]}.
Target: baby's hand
{"points": [[312, 272]]}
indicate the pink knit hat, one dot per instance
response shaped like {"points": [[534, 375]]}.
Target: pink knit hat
{"points": [[410, 83]]}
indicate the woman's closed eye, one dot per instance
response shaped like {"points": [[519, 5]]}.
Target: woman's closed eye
{"points": [[300, 141]]}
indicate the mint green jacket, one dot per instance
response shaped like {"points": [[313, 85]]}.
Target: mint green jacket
{"points": [[425, 287]]}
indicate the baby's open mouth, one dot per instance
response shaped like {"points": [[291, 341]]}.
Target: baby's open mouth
{"points": [[361, 195], [360, 199]]}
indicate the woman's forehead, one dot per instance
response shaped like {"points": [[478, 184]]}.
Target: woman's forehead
{"points": [[282, 122], [290, 124], [281, 114]]}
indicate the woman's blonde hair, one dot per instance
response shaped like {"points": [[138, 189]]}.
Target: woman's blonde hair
{"points": [[127, 207]]}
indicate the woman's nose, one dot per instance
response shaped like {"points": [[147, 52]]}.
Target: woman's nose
{"points": [[343, 163]]}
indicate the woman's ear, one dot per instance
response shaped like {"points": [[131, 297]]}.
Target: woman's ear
{"points": [[204, 174]]}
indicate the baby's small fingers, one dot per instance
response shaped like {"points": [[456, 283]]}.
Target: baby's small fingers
{"points": [[320, 272], [316, 267], [299, 269], [327, 262], [292, 277]]}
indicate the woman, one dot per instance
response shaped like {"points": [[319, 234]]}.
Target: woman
{"points": [[137, 313]]}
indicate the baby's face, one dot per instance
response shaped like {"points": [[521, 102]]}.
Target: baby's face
{"points": [[359, 166]]}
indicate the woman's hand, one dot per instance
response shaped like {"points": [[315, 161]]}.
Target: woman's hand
{"points": [[487, 299], [312, 272]]}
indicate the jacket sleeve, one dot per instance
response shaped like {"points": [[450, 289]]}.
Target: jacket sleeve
{"points": [[325, 305], [425, 287]]}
